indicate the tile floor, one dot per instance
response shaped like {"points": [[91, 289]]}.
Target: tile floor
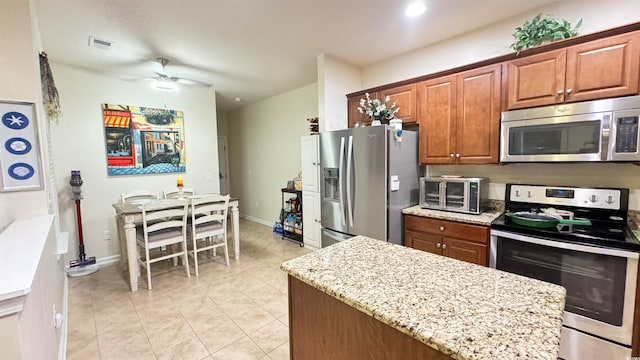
{"points": [[235, 312]]}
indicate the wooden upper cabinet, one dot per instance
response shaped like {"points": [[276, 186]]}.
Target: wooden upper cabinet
{"points": [[594, 70], [459, 117], [437, 119], [536, 80], [478, 123], [405, 98], [603, 68]]}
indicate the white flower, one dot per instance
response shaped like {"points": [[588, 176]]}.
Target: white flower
{"points": [[376, 108]]}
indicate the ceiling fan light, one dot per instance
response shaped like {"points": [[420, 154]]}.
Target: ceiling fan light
{"points": [[164, 85]]}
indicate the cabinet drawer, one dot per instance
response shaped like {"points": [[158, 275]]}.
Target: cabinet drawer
{"points": [[447, 228]]}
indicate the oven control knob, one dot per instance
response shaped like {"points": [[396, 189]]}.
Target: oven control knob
{"points": [[610, 200], [517, 193], [530, 194], [593, 198]]}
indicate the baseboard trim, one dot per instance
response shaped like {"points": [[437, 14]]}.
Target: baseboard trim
{"points": [[108, 260], [254, 219]]}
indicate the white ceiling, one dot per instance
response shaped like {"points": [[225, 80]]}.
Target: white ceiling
{"points": [[252, 49]]}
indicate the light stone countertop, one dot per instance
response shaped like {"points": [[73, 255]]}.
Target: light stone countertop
{"points": [[464, 310], [484, 218]]}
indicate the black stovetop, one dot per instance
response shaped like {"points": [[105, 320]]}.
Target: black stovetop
{"points": [[602, 233]]}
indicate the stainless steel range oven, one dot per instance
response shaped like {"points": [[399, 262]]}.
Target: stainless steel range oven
{"points": [[597, 263]]}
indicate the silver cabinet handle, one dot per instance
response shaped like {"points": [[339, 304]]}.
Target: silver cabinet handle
{"points": [[569, 91], [451, 156], [441, 228], [444, 246], [559, 92], [458, 156], [438, 245]]}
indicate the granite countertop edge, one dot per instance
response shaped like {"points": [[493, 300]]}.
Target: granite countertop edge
{"points": [[485, 218]]}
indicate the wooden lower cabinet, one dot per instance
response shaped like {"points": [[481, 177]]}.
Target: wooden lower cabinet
{"points": [[461, 241], [322, 327]]}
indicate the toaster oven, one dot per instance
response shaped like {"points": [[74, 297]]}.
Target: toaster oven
{"points": [[454, 193]]}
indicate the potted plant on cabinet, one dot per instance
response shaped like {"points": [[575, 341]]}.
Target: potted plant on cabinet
{"points": [[539, 30]]}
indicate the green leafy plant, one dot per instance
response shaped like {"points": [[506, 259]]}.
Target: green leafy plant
{"points": [[539, 29]]}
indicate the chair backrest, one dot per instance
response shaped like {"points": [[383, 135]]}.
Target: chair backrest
{"points": [[138, 195], [164, 215], [209, 209], [173, 193]]}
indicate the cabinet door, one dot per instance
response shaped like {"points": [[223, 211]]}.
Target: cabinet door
{"points": [[437, 119], [310, 163], [405, 99], [603, 68], [465, 250], [478, 116], [311, 218], [423, 241], [536, 80]]}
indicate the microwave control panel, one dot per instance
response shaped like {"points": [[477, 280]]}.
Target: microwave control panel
{"points": [[627, 134], [567, 196]]}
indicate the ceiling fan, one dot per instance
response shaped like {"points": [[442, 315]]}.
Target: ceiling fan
{"points": [[163, 82]]}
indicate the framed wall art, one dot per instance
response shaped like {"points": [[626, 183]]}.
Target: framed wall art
{"points": [[19, 153], [143, 140]]}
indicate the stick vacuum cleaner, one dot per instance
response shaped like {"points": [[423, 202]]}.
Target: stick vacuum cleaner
{"points": [[83, 266]]}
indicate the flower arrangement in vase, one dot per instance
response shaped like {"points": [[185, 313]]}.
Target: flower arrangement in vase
{"points": [[377, 110]]}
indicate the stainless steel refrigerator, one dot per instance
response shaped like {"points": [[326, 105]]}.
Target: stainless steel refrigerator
{"points": [[368, 177]]}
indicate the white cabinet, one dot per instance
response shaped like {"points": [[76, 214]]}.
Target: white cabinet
{"points": [[311, 219], [310, 163], [311, 191]]}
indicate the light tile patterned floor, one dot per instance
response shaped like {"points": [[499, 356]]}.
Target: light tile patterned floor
{"points": [[235, 312]]}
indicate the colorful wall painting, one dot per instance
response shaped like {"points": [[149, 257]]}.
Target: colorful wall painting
{"points": [[143, 140]]}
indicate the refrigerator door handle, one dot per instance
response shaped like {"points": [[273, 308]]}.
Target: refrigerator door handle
{"points": [[340, 180], [349, 159]]}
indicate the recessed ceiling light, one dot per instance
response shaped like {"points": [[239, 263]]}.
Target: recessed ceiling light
{"points": [[414, 9], [237, 99]]}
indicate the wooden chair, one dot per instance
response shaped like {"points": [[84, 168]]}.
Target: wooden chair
{"points": [[164, 223], [138, 195], [173, 193], [208, 222]]}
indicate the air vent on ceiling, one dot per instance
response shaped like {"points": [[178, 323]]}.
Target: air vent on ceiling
{"points": [[100, 44]]}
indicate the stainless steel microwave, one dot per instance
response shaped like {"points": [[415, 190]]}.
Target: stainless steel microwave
{"points": [[454, 193], [600, 130]]}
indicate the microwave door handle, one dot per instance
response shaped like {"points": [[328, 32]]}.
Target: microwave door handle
{"points": [[608, 138], [442, 194], [349, 160], [340, 181]]}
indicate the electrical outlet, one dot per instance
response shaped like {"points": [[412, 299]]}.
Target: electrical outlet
{"points": [[106, 235], [209, 176]]}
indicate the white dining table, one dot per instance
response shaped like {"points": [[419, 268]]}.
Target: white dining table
{"points": [[127, 214]]}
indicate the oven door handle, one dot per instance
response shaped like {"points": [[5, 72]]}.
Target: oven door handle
{"points": [[561, 245]]}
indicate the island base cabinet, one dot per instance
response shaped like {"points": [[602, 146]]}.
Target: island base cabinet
{"points": [[322, 327]]}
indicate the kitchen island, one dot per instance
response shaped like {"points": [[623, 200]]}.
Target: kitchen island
{"points": [[368, 299]]}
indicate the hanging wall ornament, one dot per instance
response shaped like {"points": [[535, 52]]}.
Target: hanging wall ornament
{"points": [[49, 92]]}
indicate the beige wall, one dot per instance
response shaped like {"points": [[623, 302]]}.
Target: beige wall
{"points": [[264, 149], [20, 80], [79, 144], [335, 79]]}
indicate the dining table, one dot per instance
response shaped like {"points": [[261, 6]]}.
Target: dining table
{"points": [[128, 213]]}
